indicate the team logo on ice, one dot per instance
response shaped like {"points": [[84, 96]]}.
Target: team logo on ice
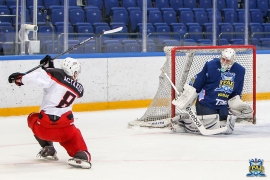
{"points": [[226, 83], [256, 168]]}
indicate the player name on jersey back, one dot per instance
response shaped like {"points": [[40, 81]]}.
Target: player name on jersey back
{"points": [[62, 78]]}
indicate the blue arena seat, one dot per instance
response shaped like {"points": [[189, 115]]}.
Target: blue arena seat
{"points": [[186, 17], [120, 16], [201, 17], [263, 6], [181, 30], [135, 17], [78, 50], [221, 4], [70, 2], [265, 43], [97, 3], [189, 42], [161, 4], [266, 29], [129, 3], [229, 15], [30, 3], [252, 4], [118, 35], [255, 42], [112, 46], [90, 47], [242, 15], [140, 3], [227, 31], [208, 29], [76, 15], [164, 34], [93, 15], [132, 47], [176, 4], [232, 4], [108, 4], [169, 17], [57, 15], [27, 16], [223, 42], [48, 3], [154, 17], [49, 47], [238, 41], [84, 32], [8, 32], [205, 4], [210, 16], [204, 42], [170, 42], [256, 30], [189, 4], [256, 16], [5, 12], [239, 28], [195, 31], [100, 29]]}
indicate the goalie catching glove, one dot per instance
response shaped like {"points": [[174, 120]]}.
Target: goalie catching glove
{"points": [[239, 108], [187, 98]]}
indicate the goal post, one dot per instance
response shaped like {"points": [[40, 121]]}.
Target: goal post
{"points": [[176, 68]]}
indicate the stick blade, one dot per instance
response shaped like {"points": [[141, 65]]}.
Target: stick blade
{"points": [[113, 30]]}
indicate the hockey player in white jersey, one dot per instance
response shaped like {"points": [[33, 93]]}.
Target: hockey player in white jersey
{"points": [[55, 121]]}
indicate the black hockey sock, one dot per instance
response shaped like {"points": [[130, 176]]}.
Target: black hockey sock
{"points": [[43, 143]]}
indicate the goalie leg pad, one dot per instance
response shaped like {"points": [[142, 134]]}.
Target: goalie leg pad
{"points": [[186, 98], [177, 123], [229, 123], [209, 121]]}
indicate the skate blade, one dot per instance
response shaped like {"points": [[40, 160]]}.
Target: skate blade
{"points": [[78, 163], [49, 158]]}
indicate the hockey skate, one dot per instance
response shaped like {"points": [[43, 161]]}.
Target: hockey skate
{"points": [[79, 163], [48, 153], [81, 160]]}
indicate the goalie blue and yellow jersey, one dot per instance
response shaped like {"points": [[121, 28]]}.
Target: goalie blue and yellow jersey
{"points": [[216, 87]]}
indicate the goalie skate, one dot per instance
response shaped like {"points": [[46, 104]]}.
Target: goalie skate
{"points": [[48, 153], [79, 163]]}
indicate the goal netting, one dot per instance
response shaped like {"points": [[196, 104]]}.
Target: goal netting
{"points": [[176, 66]]}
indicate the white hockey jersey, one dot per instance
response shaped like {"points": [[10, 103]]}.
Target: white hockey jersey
{"points": [[60, 91]]}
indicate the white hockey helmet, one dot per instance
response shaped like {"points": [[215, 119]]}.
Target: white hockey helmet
{"points": [[70, 66], [227, 59]]}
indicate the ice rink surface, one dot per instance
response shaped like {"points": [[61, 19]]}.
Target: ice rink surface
{"points": [[120, 153]]}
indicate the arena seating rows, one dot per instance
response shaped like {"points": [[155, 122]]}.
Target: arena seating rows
{"points": [[169, 22]]}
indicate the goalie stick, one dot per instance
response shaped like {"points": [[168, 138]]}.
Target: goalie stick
{"points": [[194, 117], [77, 45]]}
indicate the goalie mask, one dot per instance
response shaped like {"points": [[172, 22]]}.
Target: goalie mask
{"points": [[71, 67], [227, 59]]}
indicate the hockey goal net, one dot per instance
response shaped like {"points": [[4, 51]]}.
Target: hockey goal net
{"points": [[176, 67]]}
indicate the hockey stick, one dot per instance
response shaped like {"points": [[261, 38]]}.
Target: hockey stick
{"points": [[194, 117], [77, 45]]}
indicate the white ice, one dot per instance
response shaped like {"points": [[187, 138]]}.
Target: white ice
{"points": [[119, 153]]}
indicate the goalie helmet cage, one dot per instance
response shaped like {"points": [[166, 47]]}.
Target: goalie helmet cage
{"points": [[177, 58]]}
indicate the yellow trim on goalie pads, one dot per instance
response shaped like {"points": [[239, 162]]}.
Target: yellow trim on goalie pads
{"points": [[96, 106]]}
